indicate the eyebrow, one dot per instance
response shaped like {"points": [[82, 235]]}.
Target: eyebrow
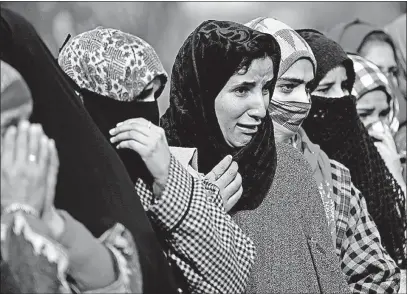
{"points": [[245, 84], [366, 109], [292, 80]]}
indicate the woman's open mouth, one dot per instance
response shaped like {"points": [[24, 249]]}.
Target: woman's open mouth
{"points": [[248, 128]]}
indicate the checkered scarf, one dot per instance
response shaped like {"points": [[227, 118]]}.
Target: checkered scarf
{"points": [[292, 45], [289, 114], [111, 63], [369, 78]]}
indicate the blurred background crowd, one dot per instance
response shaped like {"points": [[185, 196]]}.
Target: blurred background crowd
{"points": [[165, 25]]}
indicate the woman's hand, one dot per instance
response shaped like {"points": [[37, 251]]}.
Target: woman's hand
{"points": [[149, 141], [24, 163], [50, 216], [226, 177], [388, 151]]}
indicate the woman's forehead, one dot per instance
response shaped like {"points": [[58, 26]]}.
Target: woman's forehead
{"points": [[301, 70], [259, 70]]}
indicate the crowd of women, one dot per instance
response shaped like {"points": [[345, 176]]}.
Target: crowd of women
{"points": [[278, 167]]}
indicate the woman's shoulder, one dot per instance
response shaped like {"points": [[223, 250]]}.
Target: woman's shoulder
{"points": [[291, 159]]}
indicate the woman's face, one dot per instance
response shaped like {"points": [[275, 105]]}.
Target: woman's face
{"points": [[334, 84], [372, 107], [382, 55], [293, 85], [242, 103]]}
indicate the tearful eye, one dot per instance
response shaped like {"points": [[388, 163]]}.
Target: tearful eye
{"points": [[287, 89], [241, 91]]}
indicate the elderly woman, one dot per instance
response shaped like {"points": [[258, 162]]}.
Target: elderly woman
{"points": [[93, 185], [334, 125], [120, 80], [30, 221], [345, 207], [222, 80]]}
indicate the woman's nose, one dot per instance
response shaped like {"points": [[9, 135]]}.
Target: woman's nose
{"points": [[339, 91], [257, 106], [303, 96]]}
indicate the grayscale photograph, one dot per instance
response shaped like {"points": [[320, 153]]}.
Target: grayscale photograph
{"points": [[203, 147]]}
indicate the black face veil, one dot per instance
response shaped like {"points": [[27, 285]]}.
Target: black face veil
{"points": [[93, 185]]}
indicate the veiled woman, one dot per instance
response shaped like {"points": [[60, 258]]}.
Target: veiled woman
{"points": [[198, 236], [222, 81], [93, 185], [345, 206], [334, 125]]}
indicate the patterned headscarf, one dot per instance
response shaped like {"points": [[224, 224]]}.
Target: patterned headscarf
{"points": [[292, 45], [111, 63], [290, 114], [369, 78], [207, 60], [108, 63]]}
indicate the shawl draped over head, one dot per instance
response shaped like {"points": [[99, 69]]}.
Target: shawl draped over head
{"points": [[333, 123], [293, 48], [111, 70], [15, 93], [327, 59], [351, 35], [93, 185], [370, 78], [204, 64], [397, 30]]}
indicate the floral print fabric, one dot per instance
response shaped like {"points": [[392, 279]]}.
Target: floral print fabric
{"points": [[111, 63]]}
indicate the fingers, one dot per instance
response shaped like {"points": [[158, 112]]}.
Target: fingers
{"points": [[234, 186], [137, 120], [52, 175], [133, 145], [8, 146], [34, 136], [43, 154], [140, 124], [228, 176], [234, 199], [21, 152], [130, 135], [219, 169]]}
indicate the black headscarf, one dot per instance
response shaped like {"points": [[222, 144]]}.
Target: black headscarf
{"points": [[204, 64], [93, 185], [333, 123]]}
